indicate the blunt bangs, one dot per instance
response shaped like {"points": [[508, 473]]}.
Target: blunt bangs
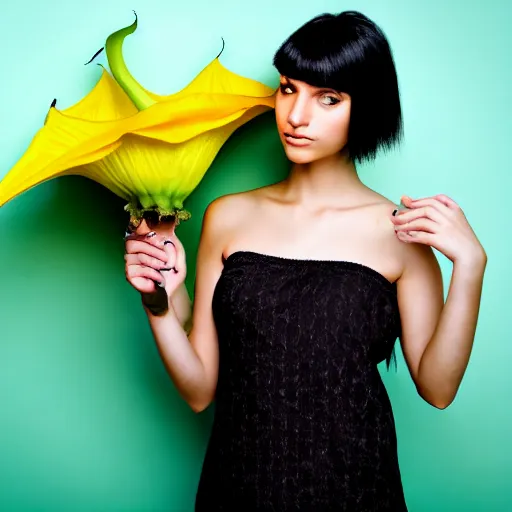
{"points": [[321, 63], [349, 53]]}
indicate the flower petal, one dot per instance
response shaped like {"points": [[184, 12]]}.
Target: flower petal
{"points": [[154, 157], [66, 145], [106, 101], [214, 78]]}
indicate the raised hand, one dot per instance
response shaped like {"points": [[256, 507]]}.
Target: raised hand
{"points": [[439, 221], [155, 263]]}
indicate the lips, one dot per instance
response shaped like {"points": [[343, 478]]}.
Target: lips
{"points": [[296, 136], [297, 140]]}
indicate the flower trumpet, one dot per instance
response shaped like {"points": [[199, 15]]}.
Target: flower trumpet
{"points": [[150, 150]]}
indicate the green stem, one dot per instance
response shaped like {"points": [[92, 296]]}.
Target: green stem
{"points": [[114, 50]]}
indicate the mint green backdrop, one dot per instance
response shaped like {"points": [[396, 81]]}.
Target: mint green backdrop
{"points": [[89, 419]]}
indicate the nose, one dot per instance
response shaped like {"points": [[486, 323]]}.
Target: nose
{"points": [[299, 112]]}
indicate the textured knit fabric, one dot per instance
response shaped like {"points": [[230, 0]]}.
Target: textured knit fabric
{"points": [[302, 419]]}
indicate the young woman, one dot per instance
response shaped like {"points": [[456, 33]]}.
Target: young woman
{"points": [[302, 288]]}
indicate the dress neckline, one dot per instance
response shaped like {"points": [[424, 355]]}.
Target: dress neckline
{"points": [[253, 255]]}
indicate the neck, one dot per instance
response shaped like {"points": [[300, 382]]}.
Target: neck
{"points": [[323, 183]]}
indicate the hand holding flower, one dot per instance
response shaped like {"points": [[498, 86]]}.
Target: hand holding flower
{"points": [[155, 263]]}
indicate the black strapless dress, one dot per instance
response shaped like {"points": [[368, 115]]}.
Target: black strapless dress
{"points": [[302, 419]]}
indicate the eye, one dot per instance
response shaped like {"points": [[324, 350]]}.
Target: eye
{"points": [[333, 100]]}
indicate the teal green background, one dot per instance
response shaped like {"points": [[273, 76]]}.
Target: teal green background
{"points": [[89, 419]]}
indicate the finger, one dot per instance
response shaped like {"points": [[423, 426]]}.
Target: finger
{"points": [[144, 259], [181, 263], [170, 251], [405, 201], [409, 215], [409, 200], [139, 246], [139, 235], [420, 237], [429, 201], [149, 236], [138, 271], [133, 271], [422, 224], [448, 201], [143, 284]]}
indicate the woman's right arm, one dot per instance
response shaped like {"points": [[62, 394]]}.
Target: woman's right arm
{"points": [[182, 306], [182, 362], [192, 361]]}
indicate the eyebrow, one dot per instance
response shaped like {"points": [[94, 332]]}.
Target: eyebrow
{"points": [[321, 89]]}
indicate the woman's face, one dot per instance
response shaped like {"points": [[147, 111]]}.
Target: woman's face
{"points": [[321, 115]]}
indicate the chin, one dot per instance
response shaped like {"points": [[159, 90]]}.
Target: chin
{"points": [[300, 156], [300, 160]]}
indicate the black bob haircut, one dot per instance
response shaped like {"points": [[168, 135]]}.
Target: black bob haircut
{"points": [[349, 53]]}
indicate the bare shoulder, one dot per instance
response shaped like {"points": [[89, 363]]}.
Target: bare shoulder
{"points": [[228, 204], [227, 213], [405, 256], [377, 211], [410, 256]]}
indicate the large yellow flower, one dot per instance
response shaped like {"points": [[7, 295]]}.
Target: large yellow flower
{"points": [[148, 149]]}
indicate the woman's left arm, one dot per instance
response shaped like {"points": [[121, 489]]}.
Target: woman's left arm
{"points": [[437, 337]]}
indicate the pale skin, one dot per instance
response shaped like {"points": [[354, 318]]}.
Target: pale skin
{"points": [[322, 210]]}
